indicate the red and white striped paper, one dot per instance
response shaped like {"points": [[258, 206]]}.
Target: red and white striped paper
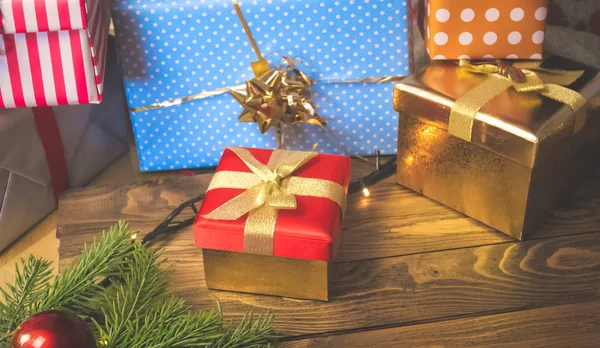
{"points": [[52, 52]]}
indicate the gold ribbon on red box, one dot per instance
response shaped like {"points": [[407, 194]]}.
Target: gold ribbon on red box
{"points": [[268, 188]]}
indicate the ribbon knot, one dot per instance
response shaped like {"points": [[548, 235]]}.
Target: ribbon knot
{"points": [[506, 69], [274, 178], [276, 196], [268, 188], [523, 77]]}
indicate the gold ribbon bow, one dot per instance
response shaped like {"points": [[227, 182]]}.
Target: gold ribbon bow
{"points": [[268, 188], [523, 77], [280, 96]]}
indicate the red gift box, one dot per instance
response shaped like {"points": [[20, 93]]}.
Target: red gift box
{"points": [[305, 232]]}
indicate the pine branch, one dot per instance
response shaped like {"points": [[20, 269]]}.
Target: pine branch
{"points": [[173, 325], [76, 289], [143, 286], [30, 282], [138, 313], [249, 333], [73, 291], [133, 310]]}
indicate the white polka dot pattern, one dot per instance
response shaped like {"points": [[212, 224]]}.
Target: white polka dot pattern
{"points": [[492, 14], [490, 38], [442, 15], [478, 29], [517, 14], [538, 37], [514, 37], [465, 38], [174, 49], [540, 13], [467, 15], [441, 38]]}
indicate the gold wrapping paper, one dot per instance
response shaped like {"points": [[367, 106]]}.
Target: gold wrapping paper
{"points": [[261, 274], [524, 149]]}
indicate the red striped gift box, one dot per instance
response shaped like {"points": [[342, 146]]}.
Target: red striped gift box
{"points": [[52, 52]]}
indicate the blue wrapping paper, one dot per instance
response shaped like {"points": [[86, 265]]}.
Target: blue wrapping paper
{"points": [[170, 50]]}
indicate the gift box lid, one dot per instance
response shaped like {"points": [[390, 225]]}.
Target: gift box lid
{"points": [[31, 16], [192, 47], [513, 124], [306, 232]]}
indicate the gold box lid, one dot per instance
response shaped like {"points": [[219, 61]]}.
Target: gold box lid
{"points": [[513, 124]]}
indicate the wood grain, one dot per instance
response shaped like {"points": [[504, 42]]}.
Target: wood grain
{"points": [[400, 290], [576, 325], [405, 259], [42, 241], [406, 223], [393, 221], [580, 210]]}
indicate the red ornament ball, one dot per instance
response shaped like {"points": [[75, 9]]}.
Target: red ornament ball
{"points": [[53, 329]]}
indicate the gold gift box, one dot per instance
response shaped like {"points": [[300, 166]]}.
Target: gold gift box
{"points": [[522, 157], [268, 275]]}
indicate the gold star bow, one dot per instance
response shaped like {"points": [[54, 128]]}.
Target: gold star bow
{"points": [[280, 96]]}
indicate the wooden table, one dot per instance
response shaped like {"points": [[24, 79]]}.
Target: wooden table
{"points": [[411, 273]]}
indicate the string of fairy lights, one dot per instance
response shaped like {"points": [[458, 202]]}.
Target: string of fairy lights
{"points": [[171, 224]]}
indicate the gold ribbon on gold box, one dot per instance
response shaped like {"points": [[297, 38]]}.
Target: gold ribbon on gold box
{"points": [[523, 77], [269, 188]]}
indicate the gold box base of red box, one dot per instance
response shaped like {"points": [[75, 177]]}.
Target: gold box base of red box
{"points": [[268, 275]]}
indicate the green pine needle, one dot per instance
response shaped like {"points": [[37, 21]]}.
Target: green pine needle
{"points": [[76, 289], [20, 299], [171, 324], [249, 333], [133, 311], [143, 285]]}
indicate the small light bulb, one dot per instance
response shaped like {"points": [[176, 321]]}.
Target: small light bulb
{"points": [[366, 192], [134, 236]]}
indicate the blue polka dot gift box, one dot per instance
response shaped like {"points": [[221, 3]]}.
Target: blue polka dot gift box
{"points": [[173, 50]]}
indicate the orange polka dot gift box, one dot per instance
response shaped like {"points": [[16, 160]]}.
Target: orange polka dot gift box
{"points": [[476, 29]]}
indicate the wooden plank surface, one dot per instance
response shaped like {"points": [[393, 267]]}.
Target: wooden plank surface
{"points": [[534, 328], [42, 241], [392, 221], [405, 260], [429, 286]]}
